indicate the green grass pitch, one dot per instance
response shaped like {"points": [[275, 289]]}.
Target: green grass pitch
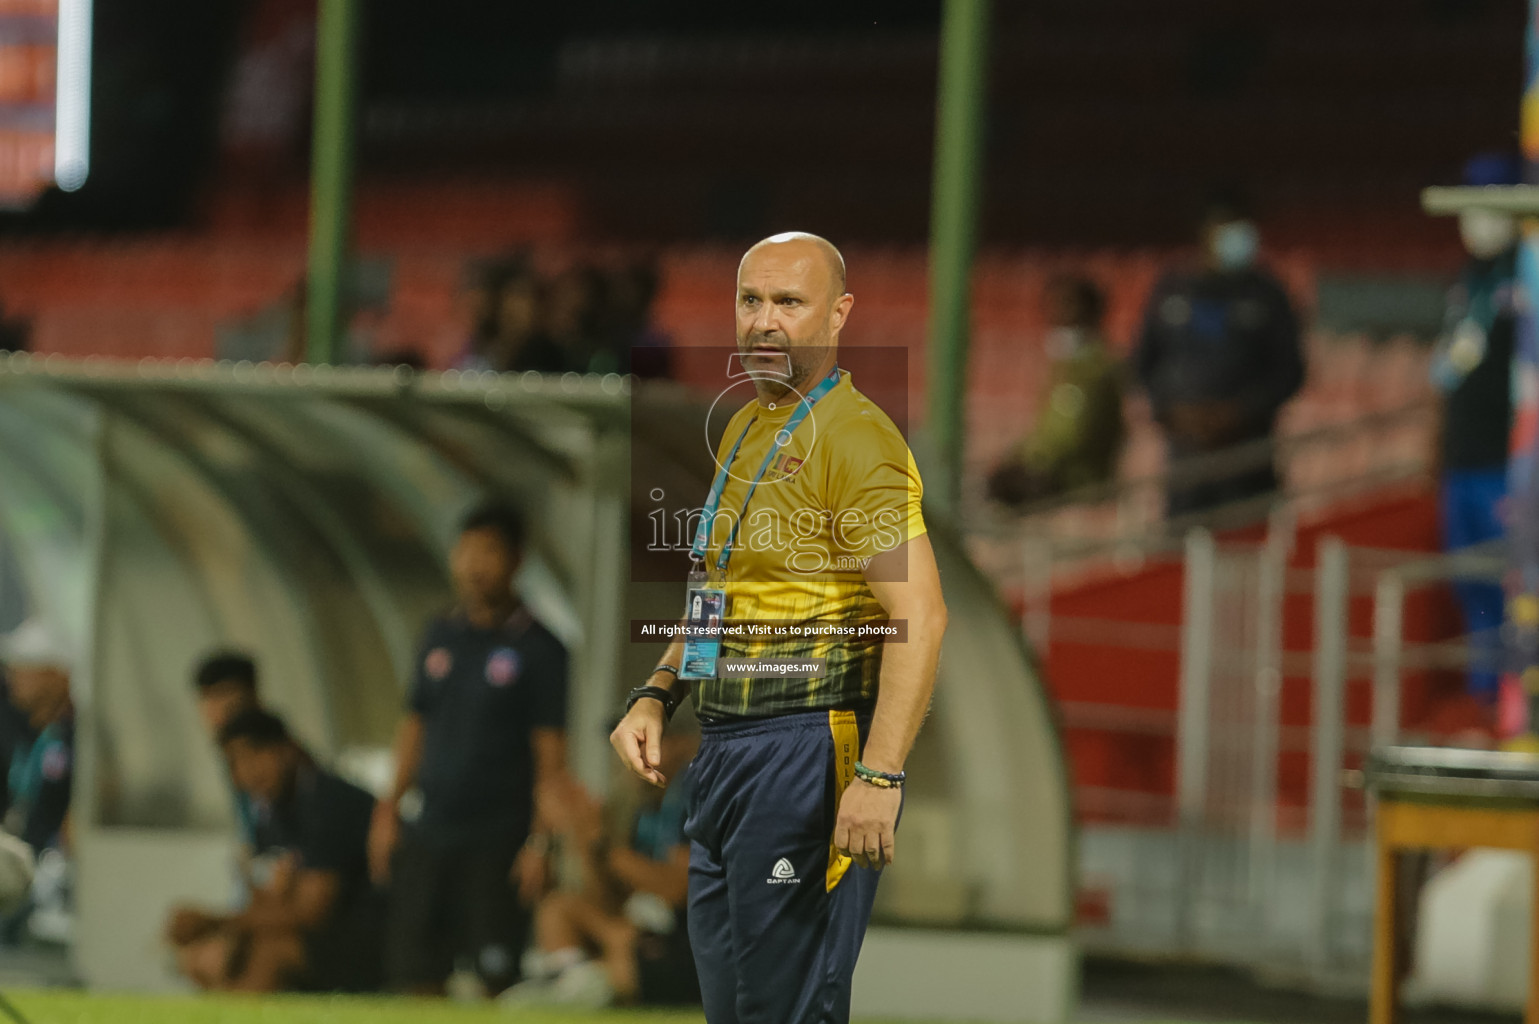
{"points": [[55, 1007], [92, 1008]]}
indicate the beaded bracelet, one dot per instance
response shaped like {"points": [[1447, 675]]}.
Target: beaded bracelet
{"points": [[881, 780]]}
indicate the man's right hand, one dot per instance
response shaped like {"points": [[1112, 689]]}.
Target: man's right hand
{"points": [[638, 739], [384, 833]]}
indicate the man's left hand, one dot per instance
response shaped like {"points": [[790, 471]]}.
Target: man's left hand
{"points": [[866, 828]]}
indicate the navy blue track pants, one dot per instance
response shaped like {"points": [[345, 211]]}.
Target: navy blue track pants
{"points": [[776, 917]]}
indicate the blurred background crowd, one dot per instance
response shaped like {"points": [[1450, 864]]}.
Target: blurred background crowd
{"points": [[517, 316]]}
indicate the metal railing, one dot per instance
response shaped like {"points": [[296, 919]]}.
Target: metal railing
{"points": [[1123, 520], [1245, 887], [1218, 871], [1120, 524]]}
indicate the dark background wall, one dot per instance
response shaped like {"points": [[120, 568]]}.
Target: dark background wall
{"points": [[1108, 120]]}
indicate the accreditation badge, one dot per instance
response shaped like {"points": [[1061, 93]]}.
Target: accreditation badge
{"points": [[705, 608]]}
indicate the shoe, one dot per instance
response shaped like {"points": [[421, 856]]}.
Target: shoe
{"points": [[586, 985], [534, 992], [465, 986]]}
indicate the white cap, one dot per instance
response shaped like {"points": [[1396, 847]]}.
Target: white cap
{"points": [[37, 644]]}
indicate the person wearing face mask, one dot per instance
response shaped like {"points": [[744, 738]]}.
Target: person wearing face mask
{"points": [[1078, 432], [1472, 370], [1219, 356]]}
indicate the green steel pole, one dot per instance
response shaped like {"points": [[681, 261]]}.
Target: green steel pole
{"points": [[331, 175], [953, 235]]}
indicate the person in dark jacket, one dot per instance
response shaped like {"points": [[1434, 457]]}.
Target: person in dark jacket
{"points": [[1219, 356], [1472, 369]]}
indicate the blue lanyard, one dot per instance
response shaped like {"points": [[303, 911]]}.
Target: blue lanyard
{"points": [[713, 498]]}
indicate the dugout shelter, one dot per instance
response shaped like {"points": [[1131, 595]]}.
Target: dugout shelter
{"points": [[156, 511]]}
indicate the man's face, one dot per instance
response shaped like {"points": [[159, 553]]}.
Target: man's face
{"points": [[36, 689], [789, 304], [482, 566], [259, 771], [220, 703]]}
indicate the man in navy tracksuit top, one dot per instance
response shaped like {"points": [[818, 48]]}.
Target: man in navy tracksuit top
{"points": [[485, 728], [798, 782]]}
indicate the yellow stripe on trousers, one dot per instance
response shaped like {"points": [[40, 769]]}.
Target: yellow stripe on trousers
{"points": [[846, 752]]}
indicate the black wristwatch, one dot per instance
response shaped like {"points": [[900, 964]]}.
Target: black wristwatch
{"points": [[669, 701]]}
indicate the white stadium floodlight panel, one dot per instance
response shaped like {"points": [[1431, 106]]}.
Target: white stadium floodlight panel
{"points": [[72, 99]]}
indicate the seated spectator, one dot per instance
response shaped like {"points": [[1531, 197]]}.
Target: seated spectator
{"points": [[523, 341], [573, 317], [226, 682], [641, 348], [314, 922], [629, 910], [586, 319], [1078, 432], [508, 305], [38, 662], [477, 304]]}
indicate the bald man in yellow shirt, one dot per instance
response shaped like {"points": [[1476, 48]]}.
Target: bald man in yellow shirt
{"points": [[812, 540]]}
